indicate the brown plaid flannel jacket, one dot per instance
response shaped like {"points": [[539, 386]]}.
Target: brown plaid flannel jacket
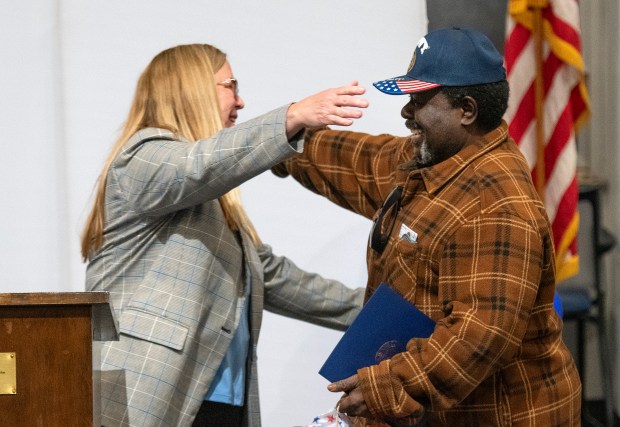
{"points": [[482, 267]]}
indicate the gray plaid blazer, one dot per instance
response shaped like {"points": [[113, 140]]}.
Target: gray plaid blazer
{"points": [[176, 272]]}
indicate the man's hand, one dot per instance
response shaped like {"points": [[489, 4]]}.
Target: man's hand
{"points": [[352, 401], [328, 107]]}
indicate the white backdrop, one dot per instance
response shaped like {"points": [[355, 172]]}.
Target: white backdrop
{"points": [[69, 71]]}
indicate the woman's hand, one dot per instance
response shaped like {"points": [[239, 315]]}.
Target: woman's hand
{"points": [[328, 107]]}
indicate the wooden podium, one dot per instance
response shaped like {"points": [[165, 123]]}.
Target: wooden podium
{"points": [[49, 358]]}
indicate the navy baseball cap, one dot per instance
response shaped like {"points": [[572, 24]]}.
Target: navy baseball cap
{"points": [[448, 57]]}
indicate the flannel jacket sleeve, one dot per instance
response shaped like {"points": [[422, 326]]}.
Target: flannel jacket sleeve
{"points": [[352, 169]]}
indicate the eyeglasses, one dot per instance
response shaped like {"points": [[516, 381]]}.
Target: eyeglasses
{"points": [[231, 83], [384, 222]]}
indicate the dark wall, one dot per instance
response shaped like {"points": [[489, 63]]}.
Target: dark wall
{"points": [[488, 16]]}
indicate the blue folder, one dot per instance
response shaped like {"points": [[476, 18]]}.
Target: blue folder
{"points": [[382, 329]]}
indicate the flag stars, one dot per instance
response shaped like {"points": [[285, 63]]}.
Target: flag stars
{"points": [[388, 86]]}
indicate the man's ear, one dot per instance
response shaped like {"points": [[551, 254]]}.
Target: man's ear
{"points": [[470, 111]]}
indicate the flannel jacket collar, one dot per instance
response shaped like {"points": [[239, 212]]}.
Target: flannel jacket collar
{"points": [[436, 176]]}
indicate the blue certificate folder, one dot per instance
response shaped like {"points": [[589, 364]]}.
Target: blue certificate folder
{"points": [[382, 329]]}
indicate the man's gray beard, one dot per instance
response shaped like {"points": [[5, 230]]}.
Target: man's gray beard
{"points": [[424, 159]]}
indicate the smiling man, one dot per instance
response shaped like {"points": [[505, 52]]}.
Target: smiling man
{"points": [[481, 263]]}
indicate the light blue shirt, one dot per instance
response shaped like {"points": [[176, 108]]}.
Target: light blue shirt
{"points": [[228, 385]]}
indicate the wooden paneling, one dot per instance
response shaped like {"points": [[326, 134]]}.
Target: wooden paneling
{"points": [[52, 336]]}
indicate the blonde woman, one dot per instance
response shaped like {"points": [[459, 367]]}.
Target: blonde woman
{"points": [[169, 239]]}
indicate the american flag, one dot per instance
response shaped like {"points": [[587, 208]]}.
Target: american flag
{"points": [[401, 87], [563, 103], [331, 418]]}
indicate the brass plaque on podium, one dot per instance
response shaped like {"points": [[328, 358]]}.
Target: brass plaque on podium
{"points": [[8, 373]]}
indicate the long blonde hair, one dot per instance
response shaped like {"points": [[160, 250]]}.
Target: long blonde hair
{"points": [[177, 92]]}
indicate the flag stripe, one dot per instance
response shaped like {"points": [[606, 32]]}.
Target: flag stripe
{"points": [[415, 85], [516, 44], [563, 30]]}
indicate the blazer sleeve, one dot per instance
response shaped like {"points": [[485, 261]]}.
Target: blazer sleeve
{"points": [[157, 173], [293, 292]]}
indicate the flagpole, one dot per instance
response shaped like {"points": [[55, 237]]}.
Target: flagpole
{"points": [[537, 7]]}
